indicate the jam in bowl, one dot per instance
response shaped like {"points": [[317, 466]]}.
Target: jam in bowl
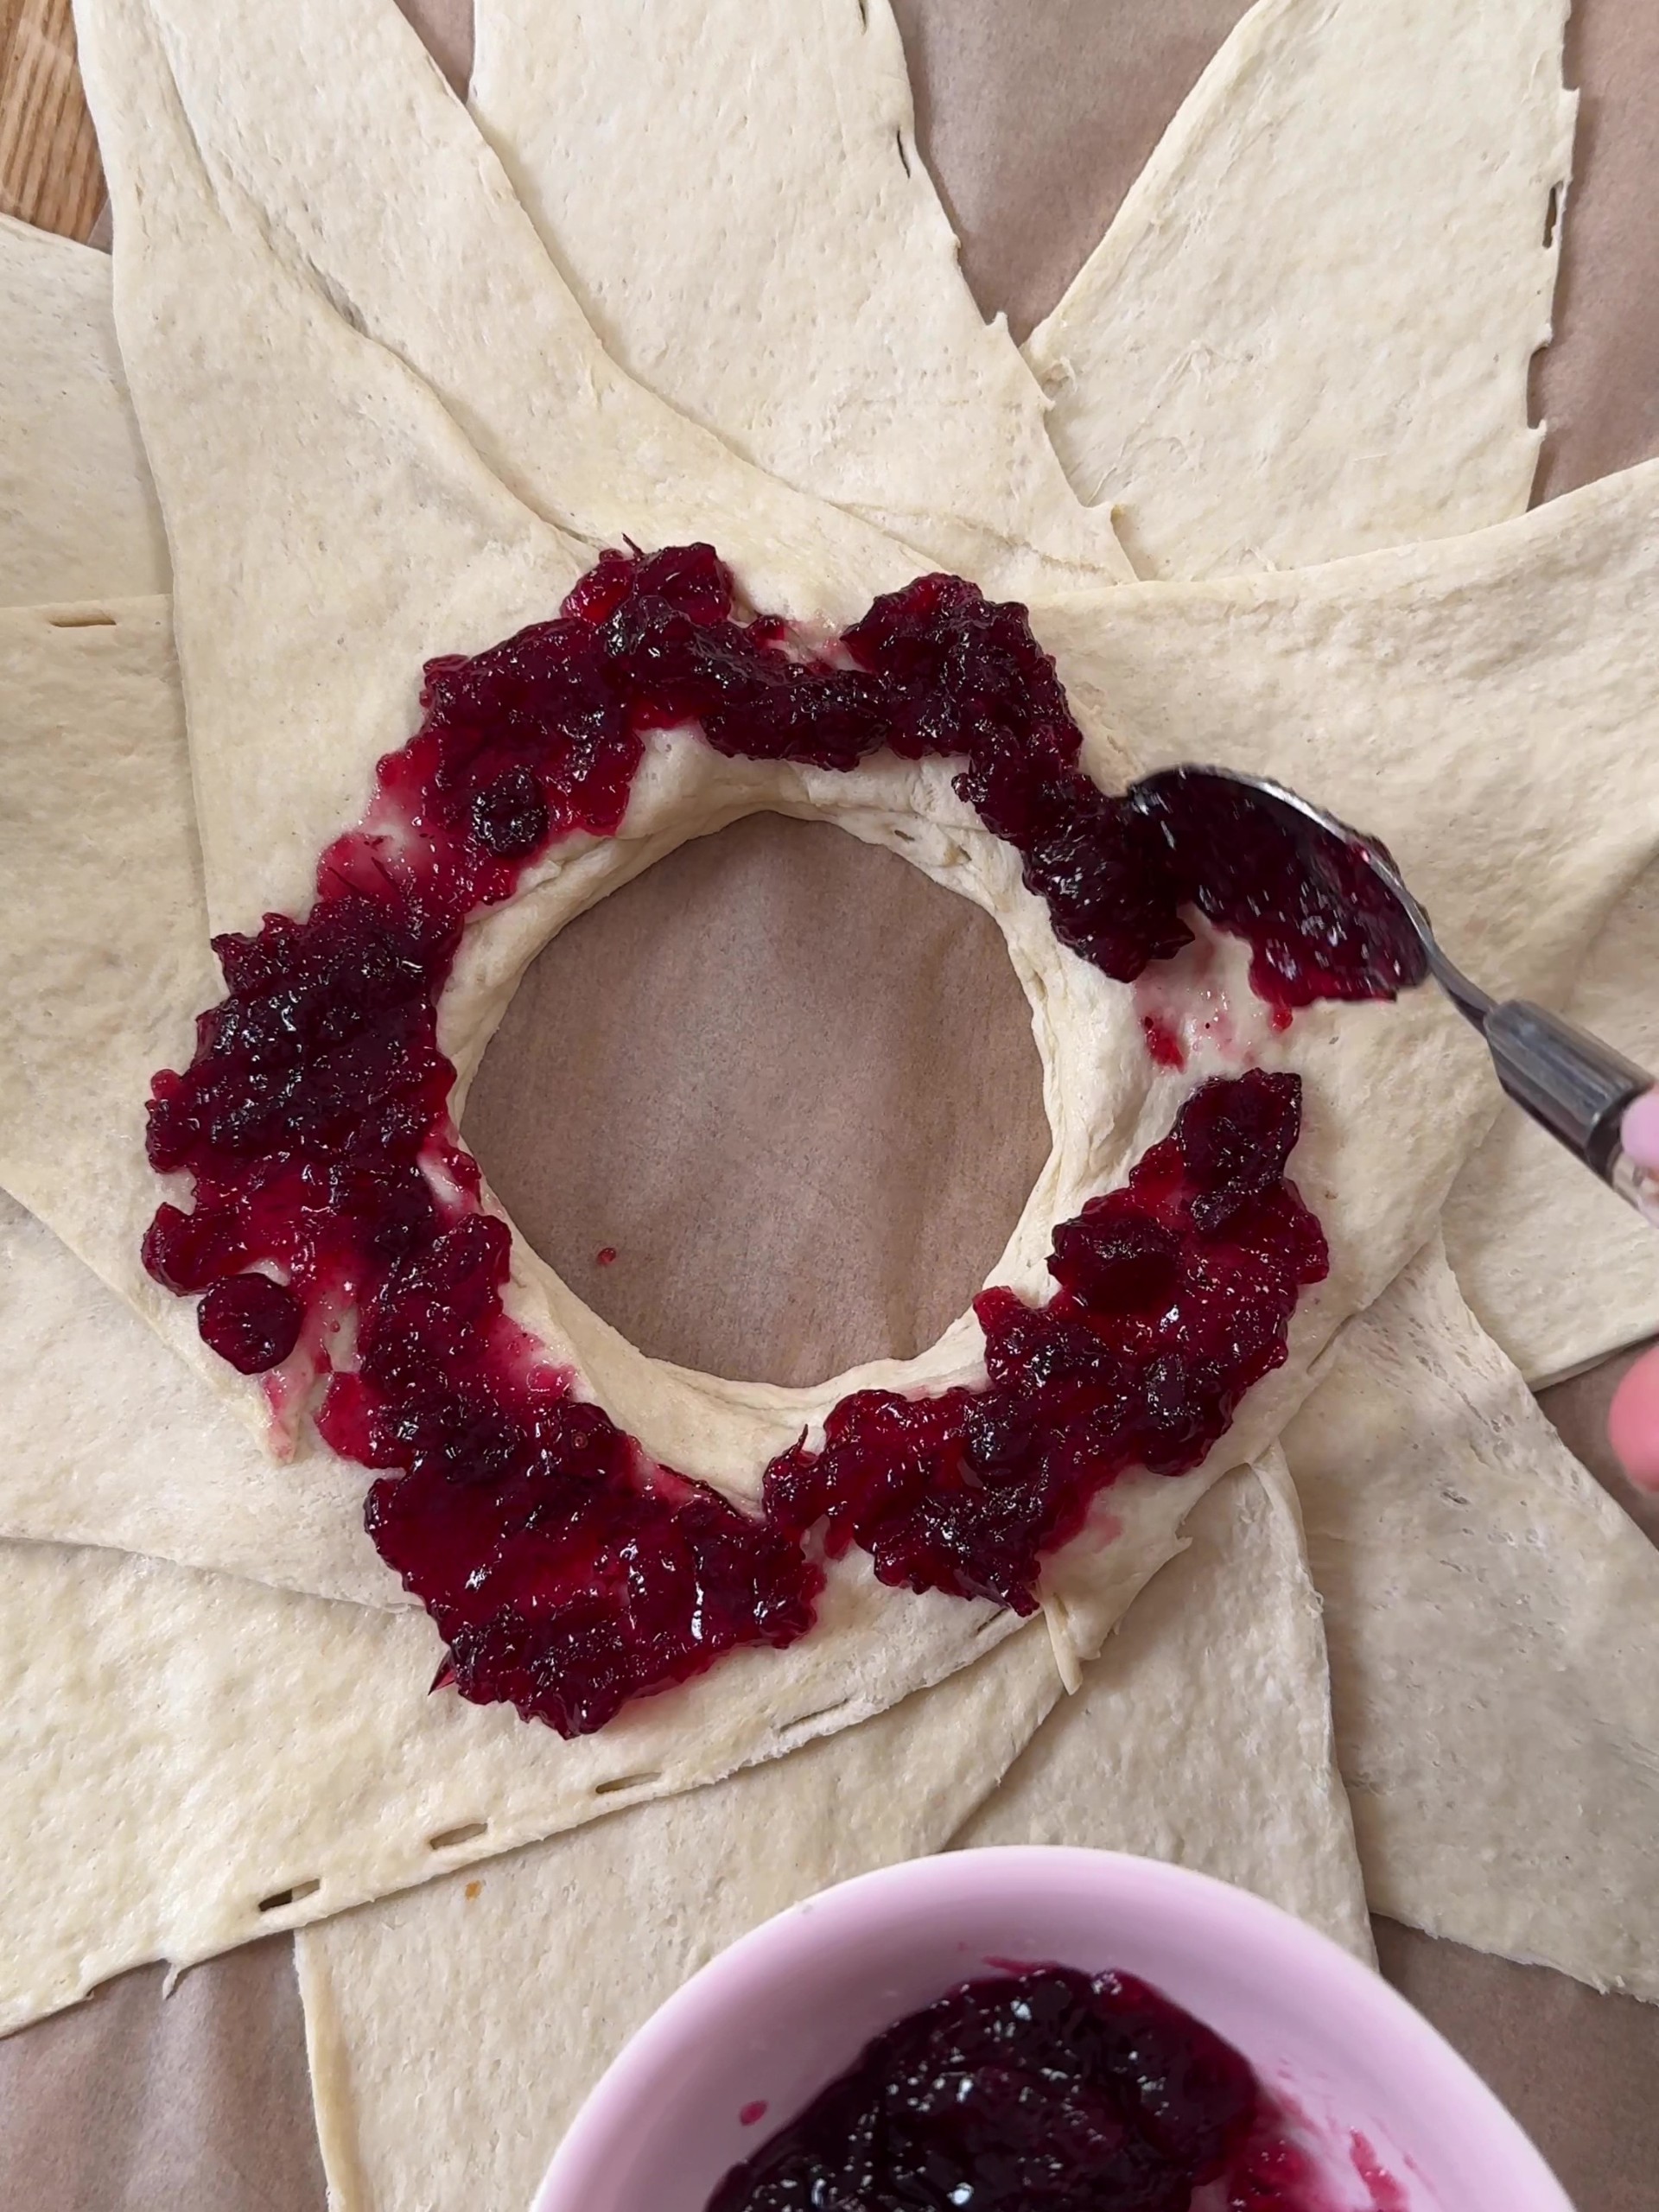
{"points": [[1180, 2019]]}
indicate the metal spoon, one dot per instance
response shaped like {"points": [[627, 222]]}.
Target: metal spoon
{"points": [[1570, 1083]]}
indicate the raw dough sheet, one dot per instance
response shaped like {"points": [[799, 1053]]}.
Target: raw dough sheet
{"points": [[586, 1205], [1056, 1790], [267, 294]]}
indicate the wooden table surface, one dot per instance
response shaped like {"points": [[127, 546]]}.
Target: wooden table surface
{"points": [[1554, 2051], [49, 172]]}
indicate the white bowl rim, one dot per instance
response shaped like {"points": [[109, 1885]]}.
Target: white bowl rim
{"points": [[1335, 1980]]}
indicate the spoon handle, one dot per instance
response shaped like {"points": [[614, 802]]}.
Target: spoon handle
{"points": [[1577, 1088]]}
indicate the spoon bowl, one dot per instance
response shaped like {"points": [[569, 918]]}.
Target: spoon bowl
{"points": [[1571, 1083]]}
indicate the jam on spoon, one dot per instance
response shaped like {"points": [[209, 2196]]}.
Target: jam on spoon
{"points": [[1329, 915]]}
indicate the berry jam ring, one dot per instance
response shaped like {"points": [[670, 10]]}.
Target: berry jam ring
{"points": [[343, 1247]]}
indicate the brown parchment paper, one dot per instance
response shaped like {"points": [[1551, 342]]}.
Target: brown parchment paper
{"points": [[791, 1086]]}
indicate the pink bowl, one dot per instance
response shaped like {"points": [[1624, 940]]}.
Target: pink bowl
{"points": [[1403, 2124]]}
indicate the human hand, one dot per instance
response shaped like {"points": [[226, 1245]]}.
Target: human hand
{"points": [[1633, 1417]]}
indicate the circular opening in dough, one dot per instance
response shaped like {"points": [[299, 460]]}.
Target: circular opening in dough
{"points": [[805, 1115]]}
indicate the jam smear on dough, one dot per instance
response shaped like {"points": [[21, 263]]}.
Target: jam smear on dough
{"points": [[1163, 1040], [339, 1243], [1049, 2091], [1173, 1295]]}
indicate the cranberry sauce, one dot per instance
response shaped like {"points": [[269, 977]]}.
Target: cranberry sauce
{"points": [[1173, 1296], [338, 1241], [1319, 923], [1049, 2091]]}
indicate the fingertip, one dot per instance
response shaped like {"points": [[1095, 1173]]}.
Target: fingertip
{"points": [[1639, 1131], [1633, 1422]]}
